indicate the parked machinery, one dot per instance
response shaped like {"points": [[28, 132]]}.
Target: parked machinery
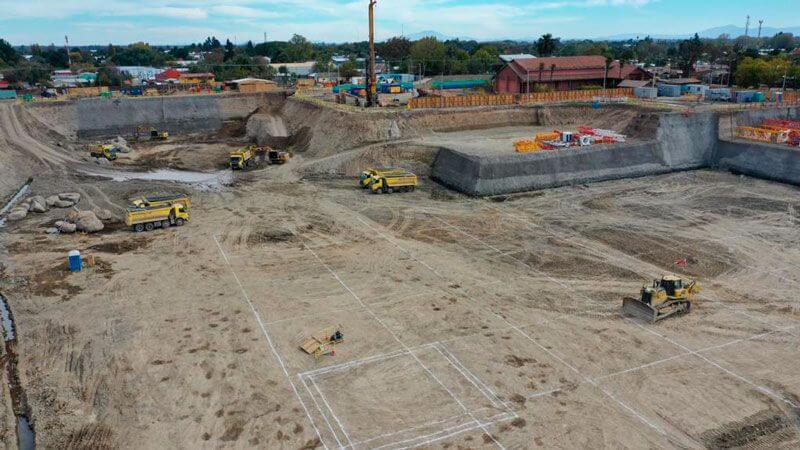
{"points": [[387, 183], [107, 151], [666, 297]]}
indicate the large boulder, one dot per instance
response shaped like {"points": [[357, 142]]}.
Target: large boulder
{"points": [[122, 144], [103, 214], [73, 197], [38, 204], [17, 214], [87, 221], [63, 204], [51, 200], [66, 227]]}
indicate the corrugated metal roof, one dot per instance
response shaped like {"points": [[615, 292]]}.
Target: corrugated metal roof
{"points": [[633, 83]]}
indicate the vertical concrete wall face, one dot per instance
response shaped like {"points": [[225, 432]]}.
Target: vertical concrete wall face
{"points": [[682, 142], [98, 117], [769, 161]]}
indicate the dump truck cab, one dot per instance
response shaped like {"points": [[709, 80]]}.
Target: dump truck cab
{"points": [[365, 177]]}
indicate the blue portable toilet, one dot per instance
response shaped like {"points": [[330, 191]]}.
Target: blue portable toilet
{"points": [[74, 258]]}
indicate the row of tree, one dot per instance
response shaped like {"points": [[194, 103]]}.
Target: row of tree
{"points": [[427, 56]]}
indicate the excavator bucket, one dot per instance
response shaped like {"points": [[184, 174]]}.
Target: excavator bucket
{"points": [[637, 308]]}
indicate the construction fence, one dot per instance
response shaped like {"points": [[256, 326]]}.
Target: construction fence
{"points": [[517, 99]]}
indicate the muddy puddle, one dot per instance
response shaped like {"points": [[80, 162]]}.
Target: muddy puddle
{"points": [[26, 437], [203, 180], [13, 201]]}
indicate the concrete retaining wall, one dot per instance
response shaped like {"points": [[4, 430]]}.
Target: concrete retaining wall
{"points": [[681, 143], [768, 161], [99, 117]]}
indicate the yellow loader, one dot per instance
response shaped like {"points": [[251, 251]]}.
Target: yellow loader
{"points": [[664, 298]]}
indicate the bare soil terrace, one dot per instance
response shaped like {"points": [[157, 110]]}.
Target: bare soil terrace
{"points": [[470, 323]]}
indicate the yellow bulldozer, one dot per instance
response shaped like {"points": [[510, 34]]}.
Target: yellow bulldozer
{"points": [[669, 296]]}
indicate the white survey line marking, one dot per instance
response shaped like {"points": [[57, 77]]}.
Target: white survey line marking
{"points": [[269, 339]]}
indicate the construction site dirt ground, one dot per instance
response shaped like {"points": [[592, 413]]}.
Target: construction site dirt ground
{"points": [[468, 323], [488, 142]]}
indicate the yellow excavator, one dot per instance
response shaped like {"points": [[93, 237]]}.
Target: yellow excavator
{"points": [[669, 296]]}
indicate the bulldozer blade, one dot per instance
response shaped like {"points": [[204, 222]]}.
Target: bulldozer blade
{"points": [[636, 308]]}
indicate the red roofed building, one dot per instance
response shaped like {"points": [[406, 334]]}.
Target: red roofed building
{"points": [[563, 74], [167, 75], [796, 52]]}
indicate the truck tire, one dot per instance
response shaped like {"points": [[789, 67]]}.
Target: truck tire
{"points": [[138, 228], [179, 222], [149, 226]]}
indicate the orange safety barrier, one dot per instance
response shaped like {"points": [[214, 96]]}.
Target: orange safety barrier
{"points": [[511, 99]]}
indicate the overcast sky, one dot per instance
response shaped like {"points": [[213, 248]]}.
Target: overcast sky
{"points": [[185, 21]]}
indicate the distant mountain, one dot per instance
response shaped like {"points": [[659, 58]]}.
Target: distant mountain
{"points": [[436, 34], [733, 31]]}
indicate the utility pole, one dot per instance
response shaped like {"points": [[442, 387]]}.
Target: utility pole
{"points": [[759, 28], [66, 47], [747, 27], [370, 82]]}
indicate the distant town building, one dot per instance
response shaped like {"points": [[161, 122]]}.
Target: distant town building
{"points": [[140, 72], [563, 74], [197, 78], [301, 69], [247, 85], [508, 58], [170, 75]]}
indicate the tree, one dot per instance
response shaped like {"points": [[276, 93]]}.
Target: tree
{"points": [[299, 49], [429, 54], [230, 50], [783, 41], [349, 69], [609, 60], [689, 52], [7, 54], [546, 46], [395, 49], [32, 72]]}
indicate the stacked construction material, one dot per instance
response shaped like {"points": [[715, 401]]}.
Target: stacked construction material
{"points": [[566, 139], [775, 131]]}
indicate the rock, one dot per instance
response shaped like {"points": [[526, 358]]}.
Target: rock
{"points": [[17, 214], [74, 197], [65, 227], [122, 144], [87, 221], [63, 204], [38, 204], [26, 205], [394, 130], [52, 200], [103, 214], [51, 230]]}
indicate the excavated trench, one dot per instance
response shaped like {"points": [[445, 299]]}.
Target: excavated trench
{"points": [[26, 436]]}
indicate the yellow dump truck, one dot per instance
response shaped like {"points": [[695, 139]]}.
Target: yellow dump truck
{"points": [[163, 200], [150, 217], [108, 151], [366, 176], [246, 157], [386, 183]]}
